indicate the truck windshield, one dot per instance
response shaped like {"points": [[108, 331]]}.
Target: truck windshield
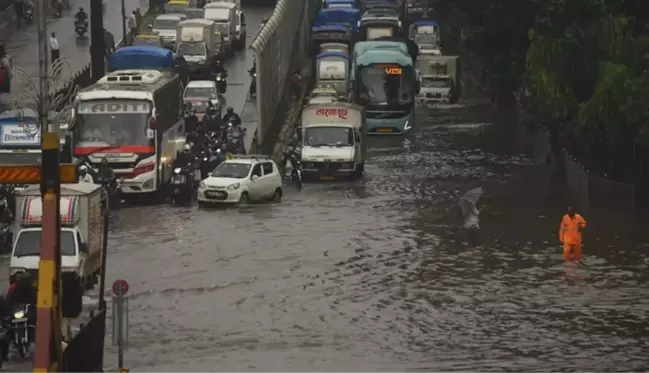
{"points": [[192, 49], [426, 39], [29, 244], [113, 123], [386, 86], [329, 136], [165, 24], [435, 82], [207, 92], [224, 28]]}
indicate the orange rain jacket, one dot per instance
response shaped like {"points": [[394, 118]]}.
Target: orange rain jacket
{"points": [[568, 231]]}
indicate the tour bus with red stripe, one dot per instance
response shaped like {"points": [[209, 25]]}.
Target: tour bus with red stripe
{"points": [[134, 119]]}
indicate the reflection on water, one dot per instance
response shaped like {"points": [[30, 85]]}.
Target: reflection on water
{"points": [[377, 274]]}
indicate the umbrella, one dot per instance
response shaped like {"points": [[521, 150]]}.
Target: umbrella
{"points": [[468, 204]]}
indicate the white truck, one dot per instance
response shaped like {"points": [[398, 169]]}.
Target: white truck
{"points": [[333, 141], [439, 78], [241, 33], [200, 45], [82, 231], [224, 14]]}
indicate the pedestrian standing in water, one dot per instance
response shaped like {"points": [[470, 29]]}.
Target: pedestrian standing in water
{"points": [[570, 235], [55, 54]]}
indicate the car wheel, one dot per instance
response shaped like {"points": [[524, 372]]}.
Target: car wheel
{"points": [[277, 196], [244, 199]]}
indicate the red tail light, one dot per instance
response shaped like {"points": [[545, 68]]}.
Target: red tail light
{"points": [[139, 170], [153, 124]]}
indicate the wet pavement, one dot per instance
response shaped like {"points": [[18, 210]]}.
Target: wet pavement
{"points": [[22, 45], [377, 274]]}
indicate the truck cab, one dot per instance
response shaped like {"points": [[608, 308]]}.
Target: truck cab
{"points": [[82, 231], [333, 141]]}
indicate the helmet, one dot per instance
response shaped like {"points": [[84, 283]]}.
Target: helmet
{"points": [[83, 169], [187, 147], [81, 9], [230, 110]]}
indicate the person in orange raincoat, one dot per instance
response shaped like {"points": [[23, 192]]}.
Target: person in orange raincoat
{"points": [[570, 230]]}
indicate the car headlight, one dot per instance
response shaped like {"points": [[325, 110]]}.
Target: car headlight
{"points": [[201, 185], [19, 315], [205, 159], [177, 170], [218, 78], [234, 186]]}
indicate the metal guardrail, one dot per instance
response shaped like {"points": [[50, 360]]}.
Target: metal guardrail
{"points": [[279, 48]]}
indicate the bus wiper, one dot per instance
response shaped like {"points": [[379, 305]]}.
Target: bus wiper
{"points": [[319, 145]]}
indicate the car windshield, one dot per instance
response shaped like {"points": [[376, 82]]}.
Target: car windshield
{"points": [[435, 82], [29, 244], [329, 136], [165, 24], [151, 42], [192, 49], [201, 92], [199, 106], [232, 170]]}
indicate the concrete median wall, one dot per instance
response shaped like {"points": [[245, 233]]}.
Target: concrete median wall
{"points": [[280, 49]]}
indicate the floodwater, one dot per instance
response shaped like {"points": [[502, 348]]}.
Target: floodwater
{"points": [[378, 275]]}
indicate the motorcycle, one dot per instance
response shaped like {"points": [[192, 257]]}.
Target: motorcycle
{"points": [[182, 185], [23, 328], [81, 28], [235, 135], [221, 82]]}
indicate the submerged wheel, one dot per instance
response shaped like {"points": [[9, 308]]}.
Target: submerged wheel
{"points": [[277, 196], [244, 199]]}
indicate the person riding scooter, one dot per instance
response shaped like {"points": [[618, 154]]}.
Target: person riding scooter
{"points": [[81, 16], [290, 162], [232, 117], [185, 158], [84, 176], [191, 121], [22, 291]]}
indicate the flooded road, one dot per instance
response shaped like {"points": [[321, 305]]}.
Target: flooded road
{"points": [[377, 274]]}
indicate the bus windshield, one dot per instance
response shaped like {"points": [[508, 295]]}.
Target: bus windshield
{"points": [[113, 123], [426, 39], [329, 136], [386, 86]]}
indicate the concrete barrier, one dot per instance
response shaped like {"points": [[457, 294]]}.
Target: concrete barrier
{"points": [[280, 49]]}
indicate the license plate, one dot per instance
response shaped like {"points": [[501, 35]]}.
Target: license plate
{"points": [[385, 130], [327, 178], [176, 181], [214, 194]]}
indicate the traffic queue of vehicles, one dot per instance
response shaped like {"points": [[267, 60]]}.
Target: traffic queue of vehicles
{"points": [[373, 60]]}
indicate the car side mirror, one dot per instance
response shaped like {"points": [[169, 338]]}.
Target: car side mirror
{"points": [[83, 248], [254, 177]]}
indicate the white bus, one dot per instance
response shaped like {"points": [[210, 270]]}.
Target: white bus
{"points": [[134, 119]]}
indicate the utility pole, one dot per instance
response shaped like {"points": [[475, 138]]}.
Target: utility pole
{"points": [[43, 83], [124, 34], [97, 40]]}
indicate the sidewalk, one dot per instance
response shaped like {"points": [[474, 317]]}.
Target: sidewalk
{"points": [[22, 44]]}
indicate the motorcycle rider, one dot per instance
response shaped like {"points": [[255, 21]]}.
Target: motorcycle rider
{"points": [[231, 117], [211, 121], [185, 158], [104, 171], [290, 161], [81, 16], [191, 120], [219, 69], [22, 291], [84, 176]]}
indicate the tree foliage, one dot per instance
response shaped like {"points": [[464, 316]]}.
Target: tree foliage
{"points": [[586, 63]]}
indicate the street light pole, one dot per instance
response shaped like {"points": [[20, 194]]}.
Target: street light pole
{"points": [[124, 34], [43, 95]]}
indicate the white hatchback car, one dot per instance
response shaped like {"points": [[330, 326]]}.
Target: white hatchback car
{"points": [[242, 179]]}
